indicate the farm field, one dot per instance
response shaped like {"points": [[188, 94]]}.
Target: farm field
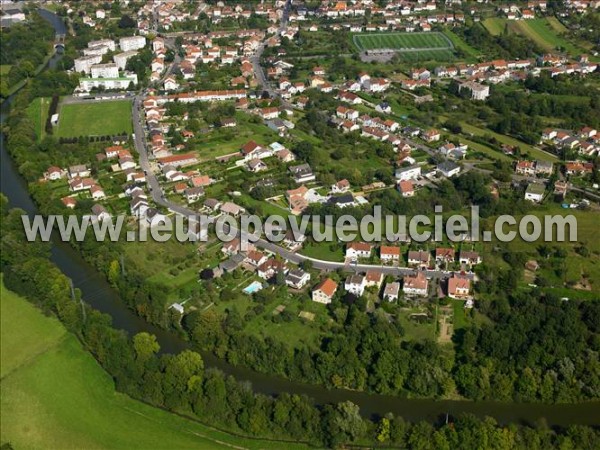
{"points": [[410, 47], [54, 395], [94, 119]]}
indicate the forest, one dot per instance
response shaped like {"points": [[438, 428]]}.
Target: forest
{"points": [[24, 47]]}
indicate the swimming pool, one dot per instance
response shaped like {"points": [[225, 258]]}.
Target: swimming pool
{"points": [[253, 287]]}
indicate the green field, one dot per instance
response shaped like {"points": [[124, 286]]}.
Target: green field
{"points": [[54, 395], [94, 119], [403, 42], [544, 34], [4, 69], [37, 111], [494, 25]]}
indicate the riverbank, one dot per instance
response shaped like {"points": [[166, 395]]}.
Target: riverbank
{"points": [[55, 395]]}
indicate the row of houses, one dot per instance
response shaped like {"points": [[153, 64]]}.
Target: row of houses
{"points": [[411, 285], [416, 258]]}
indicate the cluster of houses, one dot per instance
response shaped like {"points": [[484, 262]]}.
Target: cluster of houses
{"points": [[413, 285], [471, 76], [79, 180], [586, 141]]}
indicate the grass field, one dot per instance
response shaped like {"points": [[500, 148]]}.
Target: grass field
{"points": [[54, 395], [37, 111], [94, 119], [545, 35], [459, 44], [4, 69], [402, 41], [494, 25]]}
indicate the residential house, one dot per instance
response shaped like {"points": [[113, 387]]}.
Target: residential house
{"points": [[406, 188], [297, 278], [302, 173], [458, 287], [324, 291], [535, 192], [389, 253], [448, 168], [355, 250], [416, 285], [408, 173], [469, 258], [100, 213], [391, 291], [419, 258], [355, 284], [444, 255]]}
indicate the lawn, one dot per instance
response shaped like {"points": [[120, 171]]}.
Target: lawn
{"points": [[59, 397], [544, 35], [402, 41], [94, 119], [37, 111], [323, 250]]}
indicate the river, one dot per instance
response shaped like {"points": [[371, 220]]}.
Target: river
{"points": [[100, 295]]}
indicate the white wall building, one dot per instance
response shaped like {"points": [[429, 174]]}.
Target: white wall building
{"points": [[121, 58], [132, 43], [85, 63], [110, 70]]}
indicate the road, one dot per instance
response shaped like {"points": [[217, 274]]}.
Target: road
{"points": [[259, 72]]}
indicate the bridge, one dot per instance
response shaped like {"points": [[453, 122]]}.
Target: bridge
{"points": [[59, 41]]}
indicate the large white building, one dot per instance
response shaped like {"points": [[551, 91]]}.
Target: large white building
{"points": [[87, 84], [110, 70], [132, 43], [121, 58], [97, 50], [105, 42], [85, 63], [478, 91]]}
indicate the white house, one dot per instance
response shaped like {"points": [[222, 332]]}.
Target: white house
{"points": [[355, 284], [355, 250]]}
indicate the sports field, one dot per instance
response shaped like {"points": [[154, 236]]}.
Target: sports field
{"points": [[96, 118], [54, 395]]}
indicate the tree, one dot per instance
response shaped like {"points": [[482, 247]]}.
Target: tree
{"points": [[127, 22], [145, 346]]}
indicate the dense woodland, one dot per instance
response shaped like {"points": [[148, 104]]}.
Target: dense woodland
{"points": [[24, 46]]}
